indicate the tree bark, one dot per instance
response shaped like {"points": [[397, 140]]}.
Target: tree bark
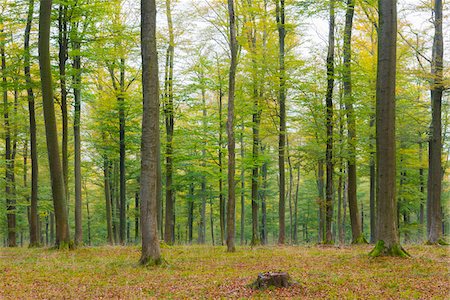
{"points": [[169, 120], [355, 220], [387, 232], [242, 186], [329, 125], [231, 207], [56, 173], [34, 219], [434, 213], [280, 18], [149, 190], [76, 45], [108, 198], [122, 169]]}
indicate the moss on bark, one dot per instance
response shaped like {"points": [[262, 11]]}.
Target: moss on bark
{"points": [[395, 250], [360, 240]]}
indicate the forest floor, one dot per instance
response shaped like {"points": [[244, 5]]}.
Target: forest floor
{"points": [[209, 272]]}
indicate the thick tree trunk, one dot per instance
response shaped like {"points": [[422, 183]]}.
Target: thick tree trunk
{"points": [[230, 131], [434, 214], [77, 139], [387, 232], [56, 173], [329, 125], [34, 219], [280, 18], [149, 188], [169, 120]]}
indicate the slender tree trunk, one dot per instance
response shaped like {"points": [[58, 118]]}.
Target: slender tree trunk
{"points": [[242, 186], [63, 56], [88, 214], [263, 202], [320, 187], [191, 213], [372, 185], [169, 119], [34, 219], [221, 195], [122, 154], [329, 125], [136, 217], [56, 172], [387, 232], [422, 191], [295, 237], [289, 193], [77, 139], [434, 213], [108, 198], [202, 225], [231, 207], [211, 220], [355, 220], [280, 18], [9, 176], [149, 188]]}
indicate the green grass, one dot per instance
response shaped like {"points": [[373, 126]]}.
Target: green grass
{"points": [[210, 272]]}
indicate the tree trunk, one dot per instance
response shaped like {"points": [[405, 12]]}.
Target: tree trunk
{"points": [[355, 220], [151, 253], [295, 237], [77, 140], [56, 172], [387, 232], [280, 18], [372, 185], [434, 214], [242, 186], [230, 131], [202, 225], [191, 213], [220, 154], [264, 239], [122, 169], [320, 187], [211, 219], [108, 198], [329, 125], [34, 218], [422, 191], [291, 186], [169, 120], [9, 176], [136, 217], [63, 42]]}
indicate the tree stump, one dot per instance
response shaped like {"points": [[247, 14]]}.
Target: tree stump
{"points": [[271, 279]]}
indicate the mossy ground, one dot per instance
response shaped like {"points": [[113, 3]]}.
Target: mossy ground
{"points": [[210, 272]]}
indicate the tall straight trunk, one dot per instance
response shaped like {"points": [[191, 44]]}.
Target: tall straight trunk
{"points": [[280, 18], [211, 219], [122, 169], [76, 45], [115, 201], [320, 187], [264, 239], [297, 187], [202, 225], [191, 213], [289, 193], [108, 211], [136, 217], [88, 214], [422, 191], [231, 207], [355, 220], [242, 186], [387, 232], [340, 228], [220, 154], [329, 125], [372, 184], [34, 219], [169, 120], [434, 213], [256, 121], [149, 183], [9, 176], [56, 173], [63, 42]]}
